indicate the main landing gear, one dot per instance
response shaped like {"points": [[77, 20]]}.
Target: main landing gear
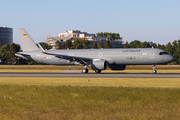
{"points": [[85, 70], [98, 71], [154, 69]]}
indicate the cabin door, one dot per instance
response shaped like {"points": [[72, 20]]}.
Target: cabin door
{"points": [[151, 54]]}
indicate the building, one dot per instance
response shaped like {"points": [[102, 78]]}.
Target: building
{"points": [[73, 34], [6, 36]]}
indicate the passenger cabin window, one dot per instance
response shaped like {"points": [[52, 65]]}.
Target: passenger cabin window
{"points": [[163, 53]]}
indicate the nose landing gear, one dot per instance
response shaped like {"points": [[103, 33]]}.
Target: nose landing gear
{"points": [[154, 69]]}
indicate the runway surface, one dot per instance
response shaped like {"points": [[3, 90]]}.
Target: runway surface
{"points": [[89, 75]]}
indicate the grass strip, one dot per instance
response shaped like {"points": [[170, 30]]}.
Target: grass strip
{"points": [[21, 102], [117, 82]]}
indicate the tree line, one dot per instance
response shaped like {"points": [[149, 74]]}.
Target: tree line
{"points": [[172, 48], [7, 52], [81, 43]]}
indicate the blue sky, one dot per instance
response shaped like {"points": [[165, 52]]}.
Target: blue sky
{"points": [[145, 20]]}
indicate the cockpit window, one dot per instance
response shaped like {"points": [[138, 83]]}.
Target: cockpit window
{"points": [[163, 53]]}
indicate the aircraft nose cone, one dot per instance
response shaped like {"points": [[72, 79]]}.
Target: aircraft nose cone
{"points": [[170, 58]]}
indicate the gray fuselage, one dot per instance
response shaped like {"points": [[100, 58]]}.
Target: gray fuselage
{"points": [[134, 56]]}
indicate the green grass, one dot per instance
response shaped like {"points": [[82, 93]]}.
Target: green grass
{"points": [[88, 103], [35, 98], [114, 82], [32, 98]]}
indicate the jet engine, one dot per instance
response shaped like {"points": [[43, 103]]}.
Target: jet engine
{"points": [[117, 67], [99, 64]]}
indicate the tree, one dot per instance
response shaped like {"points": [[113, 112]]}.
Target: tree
{"points": [[58, 45], [107, 44], [80, 43], [169, 48], [139, 44], [154, 45], [112, 36], [126, 45], [21, 61], [175, 45], [176, 54], [145, 45], [99, 45], [11, 59], [163, 47], [135, 44], [67, 44], [45, 45], [94, 45], [3, 52]]}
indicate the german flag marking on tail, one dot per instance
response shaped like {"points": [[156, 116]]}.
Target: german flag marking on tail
{"points": [[24, 35]]}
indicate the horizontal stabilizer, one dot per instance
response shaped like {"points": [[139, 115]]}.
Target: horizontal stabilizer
{"points": [[24, 56]]}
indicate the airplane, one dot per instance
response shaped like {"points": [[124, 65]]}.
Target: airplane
{"points": [[96, 59]]}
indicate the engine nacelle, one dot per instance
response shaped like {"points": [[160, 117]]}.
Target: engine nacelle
{"points": [[99, 64], [117, 67]]}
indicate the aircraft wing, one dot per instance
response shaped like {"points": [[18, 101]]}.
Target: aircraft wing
{"points": [[81, 60]]}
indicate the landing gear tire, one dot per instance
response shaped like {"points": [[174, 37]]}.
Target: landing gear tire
{"points": [[98, 71], [154, 71], [84, 70]]}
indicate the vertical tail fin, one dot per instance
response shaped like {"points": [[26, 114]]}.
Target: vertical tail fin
{"points": [[27, 44]]}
